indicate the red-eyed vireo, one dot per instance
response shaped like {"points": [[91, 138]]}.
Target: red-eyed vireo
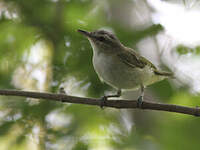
{"points": [[119, 66]]}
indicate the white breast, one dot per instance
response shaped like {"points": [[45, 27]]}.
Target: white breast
{"points": [[114, 72]]}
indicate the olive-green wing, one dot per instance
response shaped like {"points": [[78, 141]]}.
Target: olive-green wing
{"points": [[133, 59]]}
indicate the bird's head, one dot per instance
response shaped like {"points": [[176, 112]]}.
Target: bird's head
{"points": [[102, 40]]}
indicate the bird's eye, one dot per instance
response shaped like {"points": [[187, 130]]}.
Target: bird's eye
{"points": [[101, 38]]}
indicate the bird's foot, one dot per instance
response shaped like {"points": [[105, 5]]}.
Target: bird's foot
{"points": [[105, 98], [62, 90], [139, 102], [103, 101], [63, 93]]}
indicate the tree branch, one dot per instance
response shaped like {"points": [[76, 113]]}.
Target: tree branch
{"points": [[128, 104]]}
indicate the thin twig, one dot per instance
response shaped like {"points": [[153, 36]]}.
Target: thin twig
{"points": [[128, 104]]}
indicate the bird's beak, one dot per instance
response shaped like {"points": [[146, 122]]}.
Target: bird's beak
{"points": [[85, 33]]}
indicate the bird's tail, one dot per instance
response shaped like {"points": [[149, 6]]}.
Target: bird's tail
{"points": [[163, 73]]}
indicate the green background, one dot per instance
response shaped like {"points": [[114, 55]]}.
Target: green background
{"points": [[41, 50]]}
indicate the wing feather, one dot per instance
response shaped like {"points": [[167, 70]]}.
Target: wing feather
{"points": [[133, 59]]}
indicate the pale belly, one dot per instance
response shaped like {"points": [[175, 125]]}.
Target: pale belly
{"points": [[121, 76]]}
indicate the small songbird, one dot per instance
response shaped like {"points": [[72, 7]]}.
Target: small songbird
{"points": [[121, 67]]}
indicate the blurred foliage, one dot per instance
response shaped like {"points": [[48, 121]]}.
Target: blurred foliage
{"points": [[182, 50], [66, 61]]}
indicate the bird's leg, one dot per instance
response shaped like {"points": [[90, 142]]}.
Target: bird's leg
{"points": [[105, 98], [62, 90], [118, 94], [140, 99]]}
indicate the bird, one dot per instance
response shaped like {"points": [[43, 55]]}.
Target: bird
{"points": [[121, 67]]}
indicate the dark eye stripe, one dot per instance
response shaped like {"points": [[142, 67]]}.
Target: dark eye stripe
{"points": [[101, 38]]}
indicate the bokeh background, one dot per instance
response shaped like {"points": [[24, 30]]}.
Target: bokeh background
{"points": [[41, 50]]}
